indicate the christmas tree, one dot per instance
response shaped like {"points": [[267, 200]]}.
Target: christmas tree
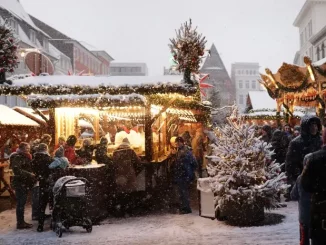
{"points": [[243, 178], [8, 51], [187, 50]]}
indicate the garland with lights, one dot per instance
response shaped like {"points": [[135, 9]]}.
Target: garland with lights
{"points": [[8, 51], [187, 50], [102, 89], [98, 101]]}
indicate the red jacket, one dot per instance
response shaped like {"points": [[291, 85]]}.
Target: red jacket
{"points": [[70, 154]]}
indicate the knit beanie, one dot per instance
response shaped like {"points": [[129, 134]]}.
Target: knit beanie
{"points": [[59, 152]]}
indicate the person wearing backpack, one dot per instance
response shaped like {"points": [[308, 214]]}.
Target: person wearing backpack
{"points": [[183, 170]]}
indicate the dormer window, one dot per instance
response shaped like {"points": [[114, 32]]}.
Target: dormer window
{"points": [[32, 36], [14, 25], [46, 44]]}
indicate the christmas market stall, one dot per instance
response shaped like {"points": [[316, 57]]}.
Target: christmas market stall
{"points": [[297, 86], [261, 110]]}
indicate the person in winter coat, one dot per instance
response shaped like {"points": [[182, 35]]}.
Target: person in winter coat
{"points": [[198, 148], [101, 155], [40, 166], [59, 161], [61, 142], [70, 153], [183, 170], [86, 151], [313, 180], [266, 133], [303, 197], [280, 143], [126, 165], [46, 139], [309, 141], [23, 180], [288, 131]]}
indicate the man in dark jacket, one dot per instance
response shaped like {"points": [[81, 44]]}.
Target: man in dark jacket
{"points": [[309, 141], [40, 166], [23, 180], [266, 133], [314, 181], [183, 170], [280, 143]]}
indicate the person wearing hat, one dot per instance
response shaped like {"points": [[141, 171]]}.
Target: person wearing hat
{"points": [[183, 171], [59, 160], [126, 165], [40, 166], [70, 153]]}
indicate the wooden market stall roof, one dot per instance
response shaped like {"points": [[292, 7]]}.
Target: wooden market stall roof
{"points": [[85, 85], [9, 117], [30, 113]]}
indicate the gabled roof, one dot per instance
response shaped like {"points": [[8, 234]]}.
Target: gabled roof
{"points": [[89, 46], [261, 100], [30, 113], [213, 61], [9, 117], [16, 9]]}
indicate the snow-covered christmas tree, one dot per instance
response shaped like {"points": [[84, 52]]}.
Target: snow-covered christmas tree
{"points": [[243, 178], [8, 51]]}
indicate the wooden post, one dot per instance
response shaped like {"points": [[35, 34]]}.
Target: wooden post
{"points": [[148, 134], [51, 128]]}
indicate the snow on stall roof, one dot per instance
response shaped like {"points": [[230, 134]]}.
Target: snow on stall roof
{"points": [[94, 81], [30, 112], [320, 62], [10, 117], [261, 100], [16, 9]]}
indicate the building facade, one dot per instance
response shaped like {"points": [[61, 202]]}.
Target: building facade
{"points": [[219, 78], [245, 76], [311, 22], [128, 69], [82, 59]]}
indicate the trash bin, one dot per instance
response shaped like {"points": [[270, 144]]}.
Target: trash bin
{"points": [[206, 199]]}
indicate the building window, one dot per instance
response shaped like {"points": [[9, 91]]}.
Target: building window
{"points": [[301, 39], [311, 53], [14, 25], [310, 28], [318, 53], [253, 84], [246, 72], [239, 71], [254, 72], [250, 72], [240, 84], [241, 99], [32, 36], [323, 51], [247, 84], [46, 44]]}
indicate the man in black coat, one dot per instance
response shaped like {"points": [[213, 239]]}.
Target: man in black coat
{"points": [[23, 180], [309, 141], [40, 166], [313, 180]]}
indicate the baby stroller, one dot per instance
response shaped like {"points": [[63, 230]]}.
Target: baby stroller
{"points": [[70, 204]]}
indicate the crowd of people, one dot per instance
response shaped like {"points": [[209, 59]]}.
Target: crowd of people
{"points": [[303, 152]]}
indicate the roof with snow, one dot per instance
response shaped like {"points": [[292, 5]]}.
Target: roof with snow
{"points": [[89, 46], [9, 117], [82, 85], [261, 100], [30, 113], [16, 9]]}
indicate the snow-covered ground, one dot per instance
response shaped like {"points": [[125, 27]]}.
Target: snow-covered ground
{"points": [[159, 229]]}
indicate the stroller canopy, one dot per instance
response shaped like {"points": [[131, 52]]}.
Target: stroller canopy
{"points": [[62, 181]]}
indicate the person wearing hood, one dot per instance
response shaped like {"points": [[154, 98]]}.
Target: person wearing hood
{"points": [[23, 180], [313, 180], [309, 141], [266, 133], [125, 167], [59, 161], [280, 143], [86, 151], [40, 165]]}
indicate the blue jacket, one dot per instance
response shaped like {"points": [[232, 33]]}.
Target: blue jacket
{"points": [[304, 199], [184, 167]]}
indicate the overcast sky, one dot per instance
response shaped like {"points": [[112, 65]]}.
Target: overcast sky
{"points": [[139, 30]]}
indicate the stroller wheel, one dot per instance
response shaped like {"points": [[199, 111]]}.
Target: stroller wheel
{"points": [[58, 230]]}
